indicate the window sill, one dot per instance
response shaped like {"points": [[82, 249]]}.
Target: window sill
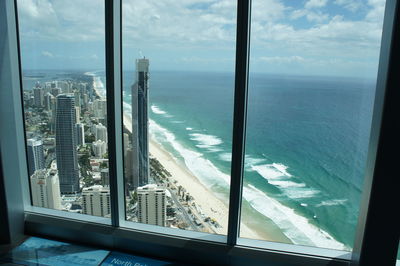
{"points": [[176, 247]]}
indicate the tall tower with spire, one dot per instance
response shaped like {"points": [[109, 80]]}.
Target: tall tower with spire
{"points": [[140, 141]]}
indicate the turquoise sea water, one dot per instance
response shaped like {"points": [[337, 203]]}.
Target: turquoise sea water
{"points": [[306, 146]]}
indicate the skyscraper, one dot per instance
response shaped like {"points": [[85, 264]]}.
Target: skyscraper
{"points": [[48, 101], [99, 148], [101, 133], [96, 201], [80, 134], [38, 94], [140, 142], [35, 155], [151, 205], [45, 188], [67, 161]]}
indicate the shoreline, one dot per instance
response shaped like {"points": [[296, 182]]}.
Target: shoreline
{"points": [[204, 198], [95, 85]]}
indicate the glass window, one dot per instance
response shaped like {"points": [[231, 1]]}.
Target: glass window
{"points": [[64, 97], [178, 80], [313, 69]]}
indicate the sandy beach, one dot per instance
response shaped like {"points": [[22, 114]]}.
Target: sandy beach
{"points": [[205, 199]]}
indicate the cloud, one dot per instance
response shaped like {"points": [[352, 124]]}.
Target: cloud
{"points": [[207, 29], [315, 3], [310, 15], [352, 5], [47, 54], [283, 59], [69, 21]]}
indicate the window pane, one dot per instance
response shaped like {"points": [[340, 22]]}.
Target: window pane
{"points": [[178, 59], [313, 69], [62, 54]]}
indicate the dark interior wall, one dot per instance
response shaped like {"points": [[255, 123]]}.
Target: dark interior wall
{"points": [[4, 227]]}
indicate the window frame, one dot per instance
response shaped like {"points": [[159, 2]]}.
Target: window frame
{"points": [[165, 242]]}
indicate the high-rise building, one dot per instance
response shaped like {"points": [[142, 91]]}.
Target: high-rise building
{"points": [[99, 148], [140, 142], [126, 143], [55, 91], [105, 177], [45, 189], [128, 170], [35, 155], [77, 95], [101, 133], [77, 114], [65, 86], [48, 101], [85, 101], [151, 205], [96, 201], [67, 161], [80, 134], [38, 94], [100, 108]]}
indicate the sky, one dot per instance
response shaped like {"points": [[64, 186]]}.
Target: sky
{"points": [[301, 37]]}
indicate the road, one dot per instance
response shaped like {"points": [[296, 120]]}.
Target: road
{"points": [[183, 211]]}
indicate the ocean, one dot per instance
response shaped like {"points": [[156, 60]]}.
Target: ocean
{"points": [[306, 146]]}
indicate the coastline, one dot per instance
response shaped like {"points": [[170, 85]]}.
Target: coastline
{"points": [[205, 199], [97, 84]]}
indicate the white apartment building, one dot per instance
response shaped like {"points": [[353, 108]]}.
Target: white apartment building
{"points": [[99, 148], [45, 187], [151, 205], [101, 132], [100, 108], [96, 201]]}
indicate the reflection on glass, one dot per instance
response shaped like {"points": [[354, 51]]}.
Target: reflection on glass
{"points": [[178, 85], [62, 53], [313, 68]]}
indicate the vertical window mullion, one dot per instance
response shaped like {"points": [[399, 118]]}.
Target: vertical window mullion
{"points": [[378, 229], [113, 85], [239, 117]]}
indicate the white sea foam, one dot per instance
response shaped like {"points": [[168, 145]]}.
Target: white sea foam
{"points": [[286, 184], [301, 193], [155, 109], [249, 162], [204, 139], [333, 202], [277, 175], [296, 227], [189, 128], [208, 142], [281, 168], [226, 156], [201, 167], [269, 171]]}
